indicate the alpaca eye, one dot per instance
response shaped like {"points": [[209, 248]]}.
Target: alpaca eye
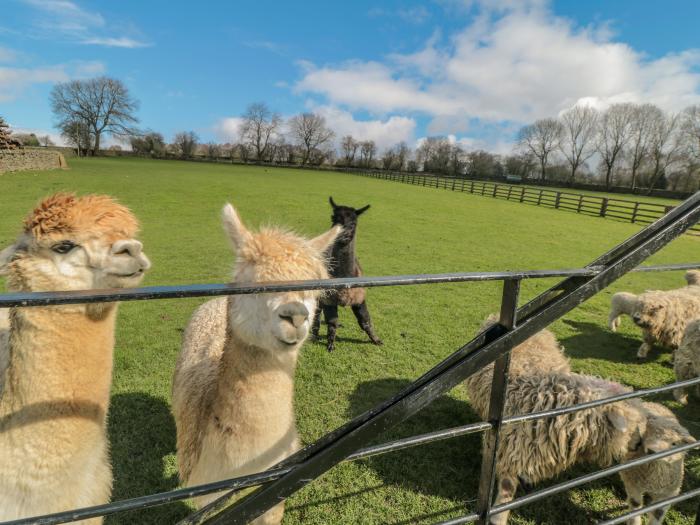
{"points": [[63, 247]]}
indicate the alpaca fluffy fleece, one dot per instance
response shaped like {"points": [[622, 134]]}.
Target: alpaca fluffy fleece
{"points": [[662, 478], [540, 353], [664, 315], [541, 449], [621, 303], [686, 360]]}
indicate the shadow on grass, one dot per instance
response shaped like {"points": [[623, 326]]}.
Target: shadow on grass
{"points": [[142, 434], [598, 342]]}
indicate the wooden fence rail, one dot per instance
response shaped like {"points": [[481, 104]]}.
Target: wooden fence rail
{"points": [[609, 207]]}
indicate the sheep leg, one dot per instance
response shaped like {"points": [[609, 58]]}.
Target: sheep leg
{"points": [[613, 321], [506, 492], [646, 346], [330, 312], [363, 319], [315, 327], [635, 500]]}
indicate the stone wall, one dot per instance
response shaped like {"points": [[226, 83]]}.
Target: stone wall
{"points": [[31, 159]]}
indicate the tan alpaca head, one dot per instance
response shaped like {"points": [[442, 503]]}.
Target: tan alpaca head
{"points": [[275, 321], [75, 243]]}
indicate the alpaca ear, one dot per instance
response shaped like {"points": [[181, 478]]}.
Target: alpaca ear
{"points": [[324, 241], [688, 439], [362, 210], [6, 255], [330, 199], [617, 418], [234, 227]]}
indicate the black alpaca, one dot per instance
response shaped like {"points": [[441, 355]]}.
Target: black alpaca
{"points": [[344, 263]]}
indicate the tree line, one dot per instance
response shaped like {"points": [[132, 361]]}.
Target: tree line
{"points": [[634, 145]]}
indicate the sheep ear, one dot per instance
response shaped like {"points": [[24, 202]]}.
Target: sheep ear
{"points": [[6, 255], [362, 210], [617, 418], [234, 227], [330, 199], [323, 242]]}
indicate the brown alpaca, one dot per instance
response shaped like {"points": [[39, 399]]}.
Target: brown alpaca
{"points": [[344, 263], [56, 361], [233, 387]]}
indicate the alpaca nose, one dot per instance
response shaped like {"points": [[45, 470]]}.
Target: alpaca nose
{"points": [[295, 313], [130, 247]]}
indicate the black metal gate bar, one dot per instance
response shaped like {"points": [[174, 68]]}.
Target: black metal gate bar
{"points": [[26, 299], [335, 446], [650, 508], [497, 402], [581, 480]]}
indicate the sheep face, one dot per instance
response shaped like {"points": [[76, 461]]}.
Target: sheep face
{"points": [[646, 315], [662, 433]]}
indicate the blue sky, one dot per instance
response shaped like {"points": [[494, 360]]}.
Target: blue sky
{"points": [[389, 71]]}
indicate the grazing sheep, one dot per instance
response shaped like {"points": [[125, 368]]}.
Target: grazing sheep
{"points": [[540, 449], [662, 478], [540, 353], [621, 303], [686, 360], [663, 316], [233, 389]]}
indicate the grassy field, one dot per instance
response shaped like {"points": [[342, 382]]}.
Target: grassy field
{"points": [[409, 229]]}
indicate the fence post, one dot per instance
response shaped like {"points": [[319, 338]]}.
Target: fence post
{"points": [[539, 198], [603, 206], [510, 190], [580, 200], [634, 212], [495, 188], [556, 202], [454, 181], [522, 193], [499, 383], [471, 189], [462, 190]]}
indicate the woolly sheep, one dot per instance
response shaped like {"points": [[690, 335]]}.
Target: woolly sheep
{"points": [[537, 450], [621, 303], [663, 316], [686, 361], [662, 478], [540, 353]]}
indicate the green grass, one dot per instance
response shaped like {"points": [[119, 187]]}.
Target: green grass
{"points": [[409, 229]]}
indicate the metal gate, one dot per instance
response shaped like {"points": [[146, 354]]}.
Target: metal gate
{"points": [[349, 442]]}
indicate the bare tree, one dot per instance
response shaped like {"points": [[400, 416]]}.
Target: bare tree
{"points": [[258, 128], [185, 143], [690, 128], [103, 104], [402, 153], [78, 134], [349, 147], [578, 139], [213, 150], [310, 132], [613, 135], [642, 119], [541, 139], [368, 149], [150, 143], [46, 141], [665, 145]]}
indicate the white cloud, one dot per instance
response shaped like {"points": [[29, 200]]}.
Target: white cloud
{"points": [[385, 133], [15, 81], [67, 19], [7, 55], [125, 42], [515, 62], [226, 129], [55, 137]]}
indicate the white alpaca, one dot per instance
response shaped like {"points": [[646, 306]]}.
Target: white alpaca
{"points": [[56, 361], [233, 387]]}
